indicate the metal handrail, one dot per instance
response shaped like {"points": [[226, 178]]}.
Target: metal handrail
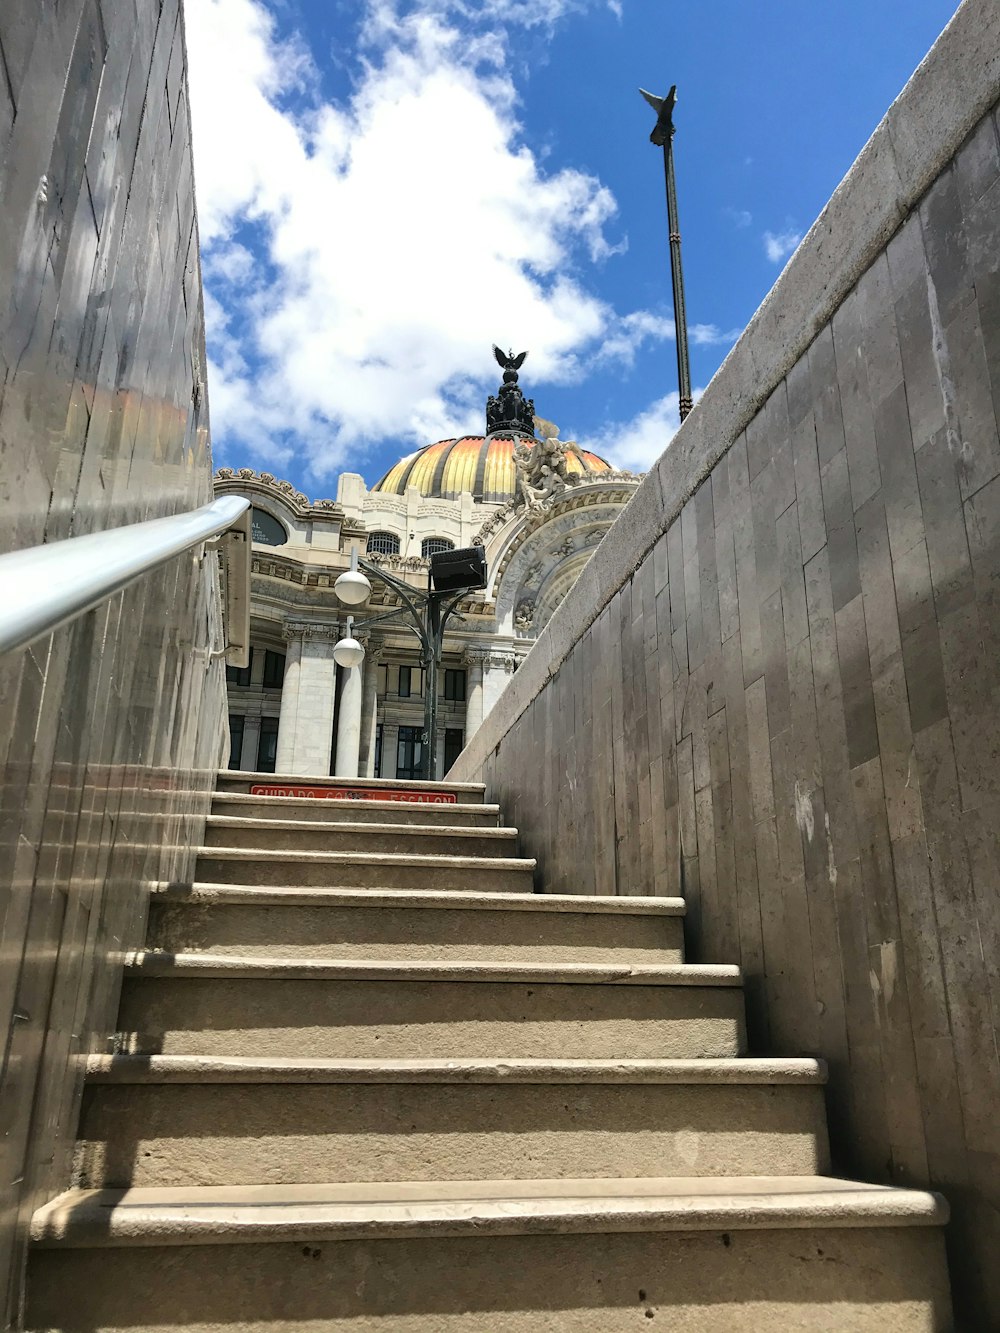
{"points": [[45, 587]]}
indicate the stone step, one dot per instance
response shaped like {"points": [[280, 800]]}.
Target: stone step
{"points": [[711, 1255], [375, 870], [320, 836], [369, 812], [397, 924], [162, 1120], [392, 789], [202, 1004]]}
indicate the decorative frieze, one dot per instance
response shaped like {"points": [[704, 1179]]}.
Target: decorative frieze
{"points": [[309, 629]]}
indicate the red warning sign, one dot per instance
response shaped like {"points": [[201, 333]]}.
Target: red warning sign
{"points": [[357, 794]]}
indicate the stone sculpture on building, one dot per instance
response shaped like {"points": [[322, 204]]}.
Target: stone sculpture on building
{"points": [[542, 470]]}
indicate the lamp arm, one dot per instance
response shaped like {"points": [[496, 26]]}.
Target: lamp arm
{"points": [[405, 592], [378, 572], [385, 615], [443, 608], [452, 604]]}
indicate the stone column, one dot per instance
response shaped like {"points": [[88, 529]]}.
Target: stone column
{"points": [[289, 699], [345, 765], [348, 748], [305, 723], [374, 648], [498, 669], [390, 740], [251, 740], [474, 659]]}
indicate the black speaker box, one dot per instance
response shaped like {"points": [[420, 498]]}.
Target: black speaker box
{"points": [[452, 570]]}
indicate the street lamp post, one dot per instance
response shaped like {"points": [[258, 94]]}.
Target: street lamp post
{"points": [[663, 137], [427, 613]]}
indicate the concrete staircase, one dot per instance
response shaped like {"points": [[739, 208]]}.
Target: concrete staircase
{"points": [[365, 1078]]}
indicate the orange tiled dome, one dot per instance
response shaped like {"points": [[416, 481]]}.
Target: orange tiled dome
{"points": [[473, 463]]}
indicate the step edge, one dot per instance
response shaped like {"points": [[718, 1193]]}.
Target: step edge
{"points": [[160, 964], [742, 1071], [99, 1218], [203, 892], [325, 780], [505, 833], [415, 859]]}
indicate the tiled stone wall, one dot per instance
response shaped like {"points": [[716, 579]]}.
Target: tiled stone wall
{"points": [[776, 688], [110, 730]]}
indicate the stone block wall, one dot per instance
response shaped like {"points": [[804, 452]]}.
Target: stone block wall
{"points": [[776, 687], [109, 730]]}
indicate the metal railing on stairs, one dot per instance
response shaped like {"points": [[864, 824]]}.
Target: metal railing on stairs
{"points": [[45, 587]]}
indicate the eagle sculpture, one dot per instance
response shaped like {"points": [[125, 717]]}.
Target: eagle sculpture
{"points": [[664, 108], [507, 360]]}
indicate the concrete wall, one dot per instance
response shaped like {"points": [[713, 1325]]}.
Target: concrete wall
{"points": [[110, 730], [775, 687]]}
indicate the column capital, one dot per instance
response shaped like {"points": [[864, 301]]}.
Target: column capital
{"points": [[309, 629], [373, 644], [500, 661], [477, 656]]}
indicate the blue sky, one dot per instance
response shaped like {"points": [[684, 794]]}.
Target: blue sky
{"points": [[386, 187]]}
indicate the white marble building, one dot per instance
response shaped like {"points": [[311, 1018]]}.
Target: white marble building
{"points": [[294, 711]]}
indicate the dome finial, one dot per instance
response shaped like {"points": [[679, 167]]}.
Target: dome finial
{"points": [[508, 410]]}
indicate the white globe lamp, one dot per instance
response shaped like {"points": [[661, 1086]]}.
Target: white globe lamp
{"points": [[348, 652], [352, 587]]}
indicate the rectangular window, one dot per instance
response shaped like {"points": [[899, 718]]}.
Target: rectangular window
{"points": [[453, 739], [454, 685], [240, 675], [267, 746], [236, 721], [405, 681], [378, 751], [274, 670], [409, 752]]}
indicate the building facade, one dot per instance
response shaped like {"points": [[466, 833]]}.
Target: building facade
{"points": [[537, 505]]}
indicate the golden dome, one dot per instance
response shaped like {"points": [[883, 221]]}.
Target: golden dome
{"points": [[473, 463]]}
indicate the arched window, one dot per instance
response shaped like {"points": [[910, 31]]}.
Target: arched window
{"points": [[383, 543], [434, 546], [265, 530]]}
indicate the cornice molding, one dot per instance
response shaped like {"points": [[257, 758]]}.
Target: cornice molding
{"points": [[265, 483]]}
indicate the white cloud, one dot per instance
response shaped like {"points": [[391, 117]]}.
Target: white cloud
{"points": [[779, 245], [625, 335], [739, 217], [710, 335], [360, 257], [638, 443]]}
